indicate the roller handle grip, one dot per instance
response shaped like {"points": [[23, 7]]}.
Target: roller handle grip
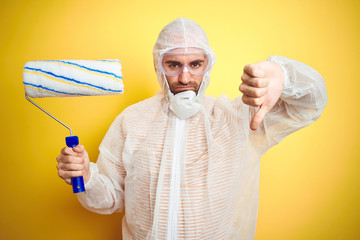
{"points": [[76, 182]]}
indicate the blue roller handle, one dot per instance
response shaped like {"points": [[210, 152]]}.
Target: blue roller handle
{"points": [[76, 182]]}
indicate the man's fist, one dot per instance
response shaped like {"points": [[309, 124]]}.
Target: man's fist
{"points": [[262, 85], [73, 162]]}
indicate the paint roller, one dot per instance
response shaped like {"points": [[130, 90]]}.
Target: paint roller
{"points": [[71, 78]]}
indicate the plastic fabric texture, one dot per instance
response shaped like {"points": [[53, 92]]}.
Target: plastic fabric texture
{"points": [[196, 177]]}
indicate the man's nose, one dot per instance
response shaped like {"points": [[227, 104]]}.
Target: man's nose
{"points": [[184, 76]]}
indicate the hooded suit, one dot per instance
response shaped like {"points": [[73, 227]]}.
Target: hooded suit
{"points": [[195, 175]]}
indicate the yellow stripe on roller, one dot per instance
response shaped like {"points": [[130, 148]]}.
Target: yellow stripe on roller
{"points": [[87, 71], [43, 90], [58, 80]]}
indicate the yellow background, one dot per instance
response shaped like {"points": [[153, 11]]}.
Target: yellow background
{"points": [[309, 184]]}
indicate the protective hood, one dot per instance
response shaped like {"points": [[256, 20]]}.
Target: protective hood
{"points": [[182, 33]]}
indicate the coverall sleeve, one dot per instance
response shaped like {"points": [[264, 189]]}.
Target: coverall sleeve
{"points": [[302, 101], [105, 189]]}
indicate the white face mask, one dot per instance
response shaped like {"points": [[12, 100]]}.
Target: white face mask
{"points": [[184, 104]]}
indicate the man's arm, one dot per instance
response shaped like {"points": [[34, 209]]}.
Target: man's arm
{"points": [[285, 95], [104, 180]]}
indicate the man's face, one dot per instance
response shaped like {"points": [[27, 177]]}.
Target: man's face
{"points": [[190, 68]]}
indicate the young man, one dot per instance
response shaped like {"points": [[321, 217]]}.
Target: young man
{"points": [[186, 165]]}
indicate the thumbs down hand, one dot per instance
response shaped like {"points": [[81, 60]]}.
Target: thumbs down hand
{"points": [[262, 85]]}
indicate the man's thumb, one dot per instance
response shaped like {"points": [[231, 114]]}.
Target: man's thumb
{"points": [[79, 148], [258, 117]]}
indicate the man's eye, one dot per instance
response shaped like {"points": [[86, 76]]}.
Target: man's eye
{"points": [[174, 65], [195, 65]]}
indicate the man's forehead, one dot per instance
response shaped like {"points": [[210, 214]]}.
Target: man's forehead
{"points": [[184, 56], [200, 56]]}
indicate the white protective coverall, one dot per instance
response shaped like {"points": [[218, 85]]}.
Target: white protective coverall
{"points": [[194, 176]]}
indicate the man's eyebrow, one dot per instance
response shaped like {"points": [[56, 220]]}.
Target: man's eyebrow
{"points": [[198, 60], [171, 61]]}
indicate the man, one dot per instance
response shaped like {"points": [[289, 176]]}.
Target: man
{"points": [[185, 165]]}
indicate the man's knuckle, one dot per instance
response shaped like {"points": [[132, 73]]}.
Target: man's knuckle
{"points": [[257, 102], [244, 99], [241, 87], [69, 174], [246, 67], [64, 150], [61, 173], [259, 83], [253, 103], [257, 93], [245, 77]]}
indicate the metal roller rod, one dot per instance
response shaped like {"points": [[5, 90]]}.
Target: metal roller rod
{"points": [[49, 114]]}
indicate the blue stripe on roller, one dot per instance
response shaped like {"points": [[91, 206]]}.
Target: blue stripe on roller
{"points": [[52, 90], [71, 79], [90, 69], [109, 60]]}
